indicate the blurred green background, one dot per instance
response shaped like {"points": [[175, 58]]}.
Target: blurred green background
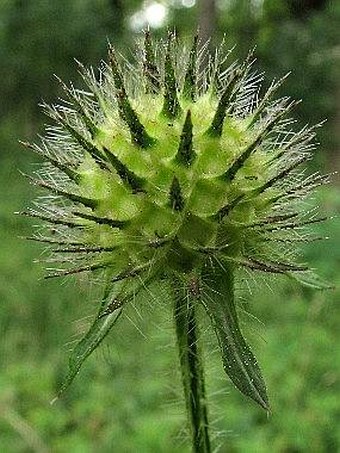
{"points": [[128, 395]]}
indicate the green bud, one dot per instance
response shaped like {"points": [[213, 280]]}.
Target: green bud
{"points": [[161, 176]]}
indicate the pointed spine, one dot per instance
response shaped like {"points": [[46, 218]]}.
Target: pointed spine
{"points": [[293, 225], [49, 219], [102, 220], [190, 82], [273, 267], [88, 202], [127, 176], [138, 133], [171, 106], [83, 249], [77, 270], [185, 154], [150, 69], [216, 127], [175, 195]]}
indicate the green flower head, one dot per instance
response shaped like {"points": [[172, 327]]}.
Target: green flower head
{"points": [[175, 168]]}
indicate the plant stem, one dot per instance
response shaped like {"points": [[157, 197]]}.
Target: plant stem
{"points": [[191, 369]]}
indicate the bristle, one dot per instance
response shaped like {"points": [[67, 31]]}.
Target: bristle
{"points": [[281, 175], [90, 126], [72, 174], [138, 133], [185, 154], [265, 100], [230, 174], [190, 82], [127, 176], [86, 145], [175, 195], [171, 106], [151, 72]]}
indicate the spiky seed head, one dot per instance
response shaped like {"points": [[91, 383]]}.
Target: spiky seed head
{"points": [[166, 166]]}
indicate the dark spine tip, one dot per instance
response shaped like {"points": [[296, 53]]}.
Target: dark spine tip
{"points": [[190, 80], [127, 176], [185, 154], [138, 133], [150, 69], [171, 106], [217, 123], [175, 195]]}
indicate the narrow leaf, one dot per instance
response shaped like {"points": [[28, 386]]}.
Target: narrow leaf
{"points": [[238, 360], [91, 340]]}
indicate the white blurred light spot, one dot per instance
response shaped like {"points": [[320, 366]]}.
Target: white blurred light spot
{"points": [[155, 14], [152, 14], [188, 3]]}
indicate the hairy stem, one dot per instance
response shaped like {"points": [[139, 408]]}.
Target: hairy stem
{"points": [[191, 369]]}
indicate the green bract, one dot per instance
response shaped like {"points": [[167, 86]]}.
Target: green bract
{"points": [[176, 170]]}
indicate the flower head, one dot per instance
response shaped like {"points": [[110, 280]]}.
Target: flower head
{"points": [[171, 168]]}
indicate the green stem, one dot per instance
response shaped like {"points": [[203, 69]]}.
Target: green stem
{"points": [[191, 368]]}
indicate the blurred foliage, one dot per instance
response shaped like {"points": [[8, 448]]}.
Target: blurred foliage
{"points": [[128, 394]]}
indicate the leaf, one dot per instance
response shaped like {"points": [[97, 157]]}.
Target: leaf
{"points": [[310, 280], [91, 340], [110, 309], [238, 360]]}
